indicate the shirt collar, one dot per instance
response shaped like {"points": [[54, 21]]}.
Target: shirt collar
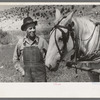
{"points": [[26, 40]]}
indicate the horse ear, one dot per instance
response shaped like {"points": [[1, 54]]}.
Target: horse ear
{"points": [[69, 17], [57, 15]]}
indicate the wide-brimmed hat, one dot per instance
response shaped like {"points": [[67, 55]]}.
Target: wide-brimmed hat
{"points": [[27, 21]]}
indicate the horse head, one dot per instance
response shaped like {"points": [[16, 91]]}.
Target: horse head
{"points": [[59, 37]]}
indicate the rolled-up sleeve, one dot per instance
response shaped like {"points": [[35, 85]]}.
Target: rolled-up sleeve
{"points": [[17, 52]]}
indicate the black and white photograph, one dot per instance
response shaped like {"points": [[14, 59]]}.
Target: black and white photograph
{"points": [[49, 42], [49, 49]]}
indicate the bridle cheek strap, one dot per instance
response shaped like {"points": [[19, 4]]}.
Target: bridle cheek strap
{"points": [[65, 39], [57, 44]]}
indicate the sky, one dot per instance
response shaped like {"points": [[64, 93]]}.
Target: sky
{"points": [[3, 7]]}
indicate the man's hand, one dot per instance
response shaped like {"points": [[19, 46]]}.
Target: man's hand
{"points": [[19, 68], [44, 52]]}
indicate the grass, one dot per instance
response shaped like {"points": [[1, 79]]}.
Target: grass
{"points": [[7, 70]]}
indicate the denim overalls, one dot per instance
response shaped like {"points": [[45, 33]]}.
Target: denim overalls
{"points": [[33, 65]]}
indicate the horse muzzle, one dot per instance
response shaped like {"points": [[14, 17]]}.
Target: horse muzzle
{"points": [[52, 69]]}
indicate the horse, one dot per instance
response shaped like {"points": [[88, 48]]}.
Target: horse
{"points": [[73, 32]]}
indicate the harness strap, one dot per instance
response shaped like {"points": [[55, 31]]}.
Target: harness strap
{"points": [[64, 41], [60, 26], [57, 45]]}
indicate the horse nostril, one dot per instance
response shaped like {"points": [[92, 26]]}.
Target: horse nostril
{"points": [[58, 61], [50, 67]]}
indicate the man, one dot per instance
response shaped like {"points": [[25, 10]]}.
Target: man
{"points": [[32, 49]]}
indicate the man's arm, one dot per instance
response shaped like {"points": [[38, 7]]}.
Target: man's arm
{"points": [[17, 53], [16, 58]]}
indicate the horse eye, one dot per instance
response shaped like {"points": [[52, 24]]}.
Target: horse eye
{"points": [[60, 39]]}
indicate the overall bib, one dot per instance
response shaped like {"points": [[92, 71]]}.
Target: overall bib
{"points": [[33, 65]]}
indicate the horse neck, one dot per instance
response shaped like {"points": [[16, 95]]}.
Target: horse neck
{"points": [[83, 30]]}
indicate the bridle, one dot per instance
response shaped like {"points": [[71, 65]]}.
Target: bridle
{"points": [[65, 37]]}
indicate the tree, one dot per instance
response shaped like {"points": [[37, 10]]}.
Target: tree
{"points": [[37, 14], [93, 6], [73, 6], [62, 10]]}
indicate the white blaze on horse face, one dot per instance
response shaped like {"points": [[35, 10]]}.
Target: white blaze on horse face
{"points": [[53, 55]]}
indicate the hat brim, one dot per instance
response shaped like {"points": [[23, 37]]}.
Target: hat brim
{"points": [[23, 27]]}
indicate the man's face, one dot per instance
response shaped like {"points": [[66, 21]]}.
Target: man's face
{"points": [[31, 30]]}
